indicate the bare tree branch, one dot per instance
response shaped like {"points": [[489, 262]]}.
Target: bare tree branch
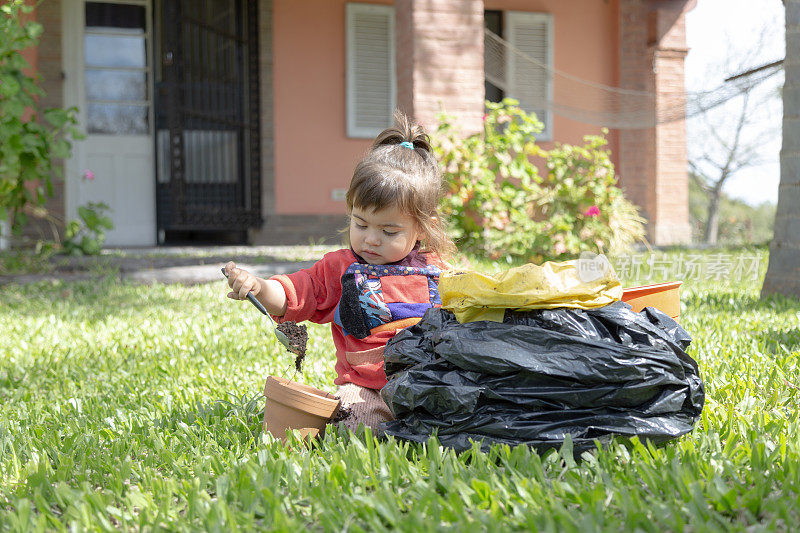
{"points": [[730, 144]]}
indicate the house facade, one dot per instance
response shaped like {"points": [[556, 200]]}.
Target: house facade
{"points": [[242, 120]]}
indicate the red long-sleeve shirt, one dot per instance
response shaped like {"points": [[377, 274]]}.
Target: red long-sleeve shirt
{"points": [[314, 293]]}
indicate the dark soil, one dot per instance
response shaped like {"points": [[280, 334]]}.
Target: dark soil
{"points": [[298, 338], [341, 414]]}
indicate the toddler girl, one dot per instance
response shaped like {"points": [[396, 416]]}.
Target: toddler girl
{"points": [[384, 282]]}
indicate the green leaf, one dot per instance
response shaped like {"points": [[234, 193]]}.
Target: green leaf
{"points": [[72, 229], [12, 108], [56, 117], [90, 246], [60, 149], [9, 86]]}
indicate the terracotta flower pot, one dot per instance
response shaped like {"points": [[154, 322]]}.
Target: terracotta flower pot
{"points": [[665, 297], [292, 405]]}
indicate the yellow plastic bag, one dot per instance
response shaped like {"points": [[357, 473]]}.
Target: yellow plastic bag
{"points": [[475, 296]]}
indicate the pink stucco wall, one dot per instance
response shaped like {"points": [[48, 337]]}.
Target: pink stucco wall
{"points": [[312, 152]]}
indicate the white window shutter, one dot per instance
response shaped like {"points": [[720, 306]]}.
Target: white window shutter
{"points": [[531, 82], [371, 84]]}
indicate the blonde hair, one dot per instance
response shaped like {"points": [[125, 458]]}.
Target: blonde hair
{"points": [[408, 178]]}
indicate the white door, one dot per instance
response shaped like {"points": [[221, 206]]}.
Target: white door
{"points": [[108, 69]]}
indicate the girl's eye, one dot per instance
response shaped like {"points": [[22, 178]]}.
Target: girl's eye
{"points": [[389, 233], [359, 226]]}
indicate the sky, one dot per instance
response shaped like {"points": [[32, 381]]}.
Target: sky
{"points": [[726, 37]]}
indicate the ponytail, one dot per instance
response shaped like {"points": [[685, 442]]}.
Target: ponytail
{"points": [[404, 131]]}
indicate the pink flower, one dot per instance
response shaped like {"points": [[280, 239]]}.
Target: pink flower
{"points": [[592, 211], [88, 174], [485, 117]]}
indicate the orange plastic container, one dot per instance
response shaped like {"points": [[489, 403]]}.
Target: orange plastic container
{"points": [[666, 297], [292, 405]]}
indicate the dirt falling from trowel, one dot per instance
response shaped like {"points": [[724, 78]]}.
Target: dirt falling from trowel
{"points": [[298, 338]]}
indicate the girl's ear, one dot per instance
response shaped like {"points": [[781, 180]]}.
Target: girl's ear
{"points": [[420, 234]]}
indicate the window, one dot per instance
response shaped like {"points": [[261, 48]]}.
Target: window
{"points": [[115, 61], [371, 84], [527, 62], [493, 21]]}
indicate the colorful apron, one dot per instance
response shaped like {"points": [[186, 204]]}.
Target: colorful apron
{"points": [[375, 297]]}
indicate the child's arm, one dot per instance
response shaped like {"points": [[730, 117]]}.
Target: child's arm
{"points": [[268, 291]]}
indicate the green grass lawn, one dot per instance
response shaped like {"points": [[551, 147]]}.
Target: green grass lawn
{"points": [[129, 407]]}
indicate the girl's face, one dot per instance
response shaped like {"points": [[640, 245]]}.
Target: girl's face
{"points": [[382, 236]]}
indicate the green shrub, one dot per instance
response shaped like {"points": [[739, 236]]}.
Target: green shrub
{"points": [[87, 235], [581, 176], [31, 138], [499, 204]]}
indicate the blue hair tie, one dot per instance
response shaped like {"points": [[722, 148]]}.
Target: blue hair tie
{"points": [[406, 144]]}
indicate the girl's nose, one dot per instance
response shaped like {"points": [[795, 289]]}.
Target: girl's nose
{"points": [[372, 238]]}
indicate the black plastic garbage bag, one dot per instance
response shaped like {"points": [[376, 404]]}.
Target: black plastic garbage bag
{"points": [[540, 375]]}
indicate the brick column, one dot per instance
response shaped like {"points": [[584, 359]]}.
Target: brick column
{"points": [[440, 60], [46, 59], [653, 162]]}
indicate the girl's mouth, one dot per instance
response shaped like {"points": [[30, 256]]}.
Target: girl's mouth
{"points": [[370, 254]]}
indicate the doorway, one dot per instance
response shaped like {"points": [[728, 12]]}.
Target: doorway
{"points": [[108, 65], [206, 120], [167, 93]]}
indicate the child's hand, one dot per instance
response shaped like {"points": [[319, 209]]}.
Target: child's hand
{"points": [[241, 281]]}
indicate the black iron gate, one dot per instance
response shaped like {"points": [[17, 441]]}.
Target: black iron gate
{"points": [[207, 120]]}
